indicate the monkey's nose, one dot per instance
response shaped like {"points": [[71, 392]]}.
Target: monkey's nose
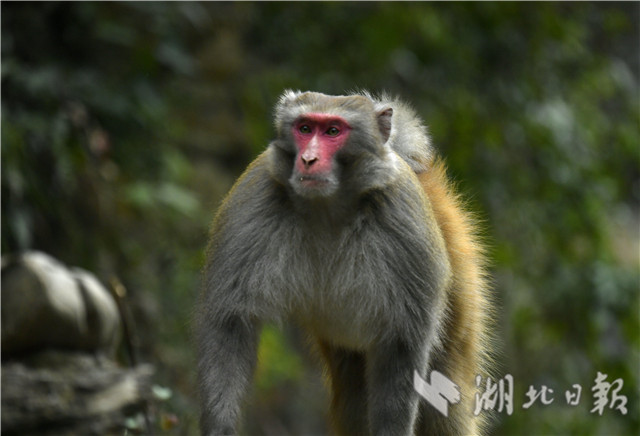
{"points": [[308, 162]]}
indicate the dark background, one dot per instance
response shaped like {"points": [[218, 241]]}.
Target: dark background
{"points": [[123, 124]]}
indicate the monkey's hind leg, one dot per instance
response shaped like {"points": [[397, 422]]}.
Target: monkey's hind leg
{"points": [[348, 408]]}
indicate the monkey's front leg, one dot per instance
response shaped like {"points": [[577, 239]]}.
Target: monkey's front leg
{"points": [[393, 402], [227, 357]]}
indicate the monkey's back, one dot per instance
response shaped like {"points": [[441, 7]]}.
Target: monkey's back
{"points": [[465, 342]]}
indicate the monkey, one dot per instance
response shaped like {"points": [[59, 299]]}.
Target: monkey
{"points": [[348, 226]]}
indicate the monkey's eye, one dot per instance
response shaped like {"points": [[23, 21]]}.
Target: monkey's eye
{"points": [[304, 129], [333, 131]]}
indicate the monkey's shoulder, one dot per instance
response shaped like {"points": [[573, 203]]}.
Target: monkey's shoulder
{"points": [[259, 205], [253, 193]]}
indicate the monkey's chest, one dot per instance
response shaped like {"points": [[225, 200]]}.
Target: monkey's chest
{"points": [[347, 327], [348, 292], [349, 313]]}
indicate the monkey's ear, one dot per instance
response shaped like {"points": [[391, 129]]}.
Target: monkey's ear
{"points": [[384, 122]]}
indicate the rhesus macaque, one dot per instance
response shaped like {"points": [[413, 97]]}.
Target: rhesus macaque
{"points": [[347, 225]]}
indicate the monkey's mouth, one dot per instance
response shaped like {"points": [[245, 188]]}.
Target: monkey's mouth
{"points": [[313, 185], [313, 181]]}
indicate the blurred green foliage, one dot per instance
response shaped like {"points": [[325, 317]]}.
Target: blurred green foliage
{"points": [[123, 124]]}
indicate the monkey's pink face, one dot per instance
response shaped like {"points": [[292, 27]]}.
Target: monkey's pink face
{"points": [[318, 137]]}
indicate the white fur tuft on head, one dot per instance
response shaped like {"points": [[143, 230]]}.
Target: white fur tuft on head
{"points": [[287, 97]]}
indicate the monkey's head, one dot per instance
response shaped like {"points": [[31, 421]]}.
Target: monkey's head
{"points": [[328, 144]]}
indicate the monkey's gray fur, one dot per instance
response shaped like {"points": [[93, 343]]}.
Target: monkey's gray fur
{"points": [[363, 268]]}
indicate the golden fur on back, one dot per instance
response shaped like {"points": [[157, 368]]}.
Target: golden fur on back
{"points": [[464, 343]]}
